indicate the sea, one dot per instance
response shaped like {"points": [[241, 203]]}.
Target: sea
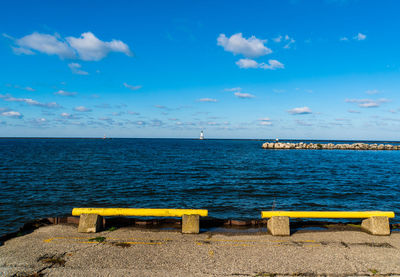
{"points": [[231, 178]]}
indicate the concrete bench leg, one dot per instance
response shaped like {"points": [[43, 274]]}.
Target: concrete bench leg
{"points": [[90, 223], [279, 226], [377, 225], [190, 224]]}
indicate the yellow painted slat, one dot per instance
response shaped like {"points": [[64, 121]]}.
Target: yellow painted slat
{"points": [[323, 214], [138, 212]]}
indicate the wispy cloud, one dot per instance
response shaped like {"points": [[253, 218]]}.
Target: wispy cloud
{"points": [[272, 64], [289, 42], [207, 100], [237, 44], [360, 36], [20, 87], [103, 106], [367, 103], [353, 111], [132, 87], [243, 95], [233, 89], [12, 114], [67, 115], [303, 123], [65, 93], [87, 47], [82, 109], [29, 101], [266, 121], [39, 121], [300, 110], [372, 91], [278, 39], [76, 69], [28, 89], [249, 63]]}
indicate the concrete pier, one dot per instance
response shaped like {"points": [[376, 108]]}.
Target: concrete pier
{"points": [[329, 146], [59, 250]]}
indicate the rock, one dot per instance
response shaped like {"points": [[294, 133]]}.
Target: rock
{"points": [[344, 146]]}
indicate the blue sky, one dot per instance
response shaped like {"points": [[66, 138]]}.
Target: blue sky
{"points": [[235, 69]]}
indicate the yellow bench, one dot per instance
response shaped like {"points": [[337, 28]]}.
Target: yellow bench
{"points": [[376, 222], [91, 218]]}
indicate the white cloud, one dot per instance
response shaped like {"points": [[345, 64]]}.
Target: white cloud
{"points": [[65, 93], [67, 115], [343, 39], [12, 114], [237, 44], [82, 109], [132, 87], [76, 69], [44, 43], [272, 64], [243, 95], [87, 47], [249, 63], [207, 100], [300, 110], [367, 103], [133, 113], [90, 48], [29, 101], [41, 120], [360, 36]]}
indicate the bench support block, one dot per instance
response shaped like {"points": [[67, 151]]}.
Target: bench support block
{"points": [[90, 223], [190, 224], [279, 226], [377, 225]]}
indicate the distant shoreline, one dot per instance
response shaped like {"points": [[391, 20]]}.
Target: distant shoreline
{"points": [[213, 139]]}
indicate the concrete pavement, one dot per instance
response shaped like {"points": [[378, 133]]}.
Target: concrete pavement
{"points": [[59, 250]]}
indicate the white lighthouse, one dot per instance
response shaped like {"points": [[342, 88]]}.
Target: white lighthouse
{"points": [[201, 135]]}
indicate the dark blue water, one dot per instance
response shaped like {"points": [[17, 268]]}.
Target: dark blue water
{"points": [[230, 178]]}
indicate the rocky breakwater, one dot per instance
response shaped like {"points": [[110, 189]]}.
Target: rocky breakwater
{"points": [[329, 146]]}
